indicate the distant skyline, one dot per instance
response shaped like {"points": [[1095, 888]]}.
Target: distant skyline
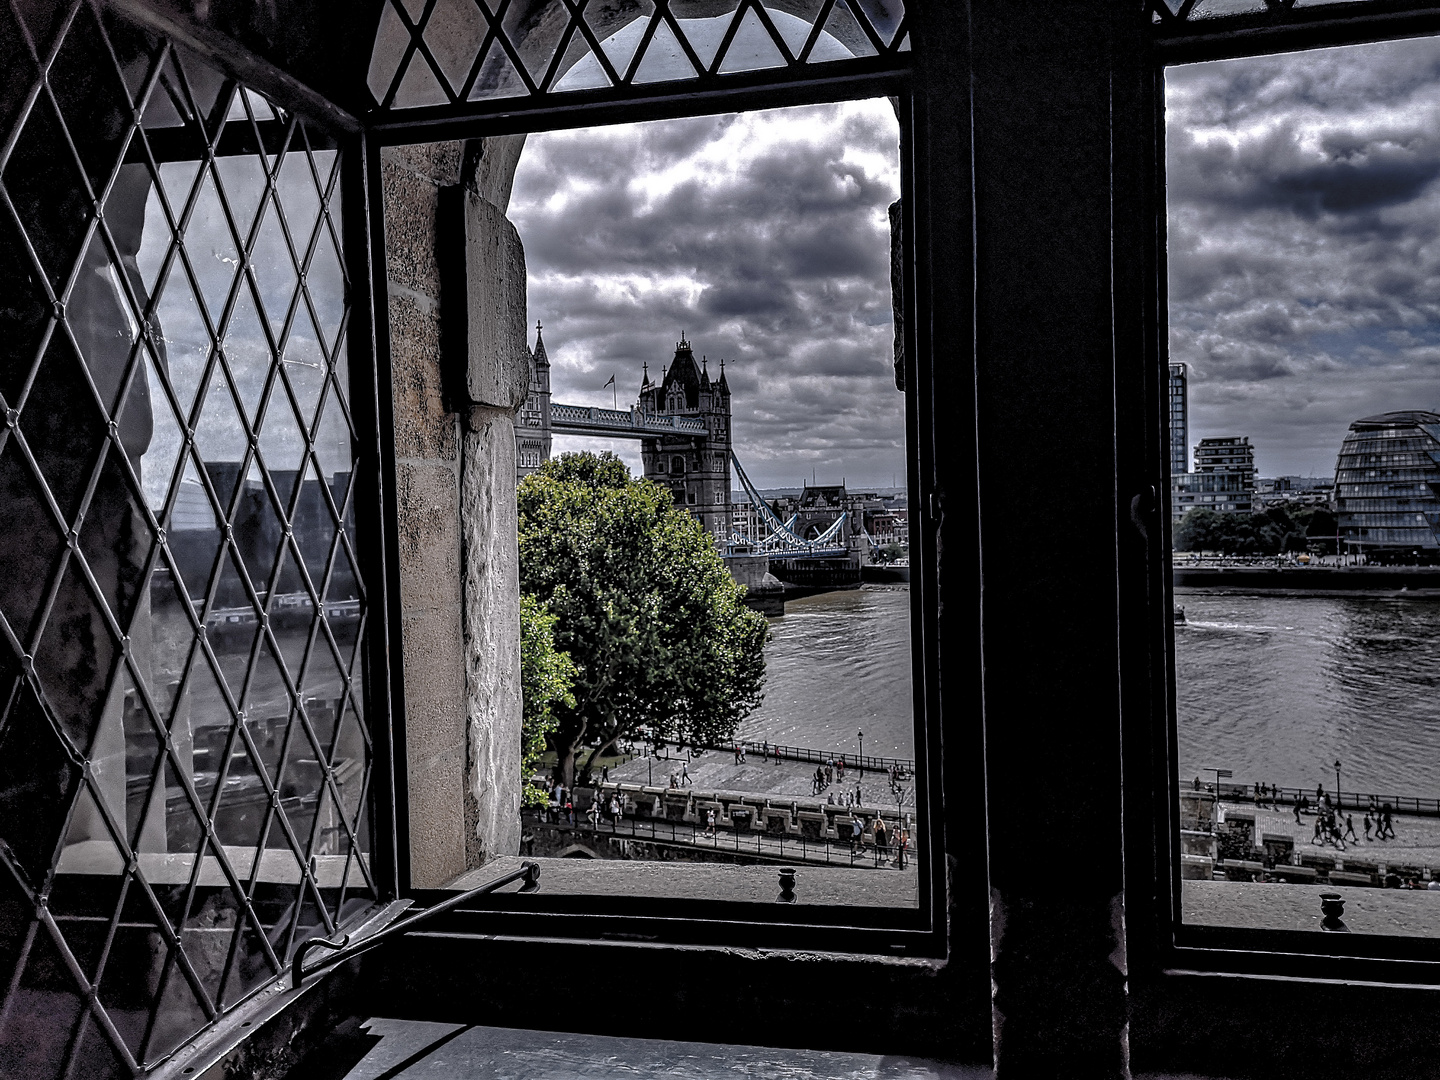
{"points": [[1304, 244], [764, 238]]}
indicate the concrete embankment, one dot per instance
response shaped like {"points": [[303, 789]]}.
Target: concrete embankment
{"points": [[1410, 582]]}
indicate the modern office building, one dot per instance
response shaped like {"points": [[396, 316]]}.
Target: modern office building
{"points": [[1387, 487], [1179, 418]]}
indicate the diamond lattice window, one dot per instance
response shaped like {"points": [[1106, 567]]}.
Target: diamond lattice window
{"points": [[446, 52], [184, 757]]}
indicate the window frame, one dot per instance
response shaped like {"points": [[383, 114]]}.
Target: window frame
{"points": [[1165, 943], [893, 931]]}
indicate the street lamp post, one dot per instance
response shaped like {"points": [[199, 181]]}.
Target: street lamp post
{"points": [[861, 736], [1337, 783]]}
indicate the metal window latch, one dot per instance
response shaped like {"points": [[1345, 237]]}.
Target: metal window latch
{"points": [[1142, 508], [343, 950]]}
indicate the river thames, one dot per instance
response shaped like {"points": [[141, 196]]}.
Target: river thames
{"points": [[1273, 688], [838, 663], [1278, 688]]}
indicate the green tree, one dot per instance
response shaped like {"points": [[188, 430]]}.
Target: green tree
{"points": [[643, 605], [1271, 531], [547, 676]]}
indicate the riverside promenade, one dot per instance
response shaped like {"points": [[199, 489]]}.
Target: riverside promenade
{"points": [[716, 770], [1416, 842]]}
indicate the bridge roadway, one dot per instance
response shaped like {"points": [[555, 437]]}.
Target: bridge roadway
{"points": [[619, 423]]}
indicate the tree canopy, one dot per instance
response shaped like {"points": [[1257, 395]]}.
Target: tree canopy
{"points": [[547, 676], [1267, 532], [644, 607]]}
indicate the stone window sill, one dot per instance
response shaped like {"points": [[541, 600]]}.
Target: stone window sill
{"points": [[814, 885]]}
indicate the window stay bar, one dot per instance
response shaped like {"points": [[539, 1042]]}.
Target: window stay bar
{"points": [[530, 871]]}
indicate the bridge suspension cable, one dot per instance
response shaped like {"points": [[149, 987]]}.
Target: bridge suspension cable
{"points": [[782, 539]]}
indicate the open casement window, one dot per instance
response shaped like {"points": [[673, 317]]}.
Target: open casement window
{"points": [[1300, 825], [482, 77], [185, 608]]}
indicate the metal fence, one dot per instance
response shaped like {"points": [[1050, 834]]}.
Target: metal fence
{"points": [[782, 848], [821, 757], [1288, 797]]}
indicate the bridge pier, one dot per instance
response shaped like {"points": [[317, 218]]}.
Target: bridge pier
{"points": [[764, 592]]}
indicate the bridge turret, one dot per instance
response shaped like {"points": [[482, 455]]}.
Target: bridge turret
{"points": [[532, 424]]}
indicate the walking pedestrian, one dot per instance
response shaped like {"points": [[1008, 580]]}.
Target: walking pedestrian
{"points": [[604, 774], [1297, 813], [1387, 823], [1350, 828], [1318, 823], [882, 842], [675, 783], [1368, 825], [685, 774], [710, 822], [570, 813]]}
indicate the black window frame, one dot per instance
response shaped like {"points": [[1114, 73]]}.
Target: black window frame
{"points": [[892, 931], [1163, 942]]}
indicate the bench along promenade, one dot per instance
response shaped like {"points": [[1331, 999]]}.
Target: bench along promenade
{"points": [[748, 827], [1233, 838]]}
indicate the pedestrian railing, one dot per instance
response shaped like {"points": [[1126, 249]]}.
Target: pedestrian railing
{"points": [[769, 846], [820, 757], [1289, 797]]}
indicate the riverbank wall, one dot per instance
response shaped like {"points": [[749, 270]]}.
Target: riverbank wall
{"points": [[1408, 582]]}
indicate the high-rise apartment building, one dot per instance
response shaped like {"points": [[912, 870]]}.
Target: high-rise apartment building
{"points": [[1223, 478], [1179, 419]]}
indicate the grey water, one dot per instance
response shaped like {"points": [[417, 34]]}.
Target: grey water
{"points": [[1275, 689], [1279, 688], [837, 664]]}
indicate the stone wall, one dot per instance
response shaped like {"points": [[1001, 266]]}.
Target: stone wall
{"points": [[455, 484], [427, 482]]}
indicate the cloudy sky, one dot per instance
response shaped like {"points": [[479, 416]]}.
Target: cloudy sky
{"points": [[1304, 244], [764, 237]]}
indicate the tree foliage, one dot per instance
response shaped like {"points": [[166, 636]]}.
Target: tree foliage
{"points": [[1273, 531], [643, 605], [547, 677]]}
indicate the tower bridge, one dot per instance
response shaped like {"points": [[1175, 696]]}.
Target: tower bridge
{"points": [[683, 425]]}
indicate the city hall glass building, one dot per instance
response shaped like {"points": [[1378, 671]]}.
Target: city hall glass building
{"points": [[1387, 487]]}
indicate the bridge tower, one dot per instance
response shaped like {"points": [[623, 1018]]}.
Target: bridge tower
{"points": [[532, 426], [696, 468]]}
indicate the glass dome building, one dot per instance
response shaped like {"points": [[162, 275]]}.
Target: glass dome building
{"points": [[1387, 487]]}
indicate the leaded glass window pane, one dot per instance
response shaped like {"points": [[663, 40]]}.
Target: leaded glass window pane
{"points": [[184, 757]]}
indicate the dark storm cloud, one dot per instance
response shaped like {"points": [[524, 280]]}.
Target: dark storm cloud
{"points": [[764, 238], [1304, 243]]}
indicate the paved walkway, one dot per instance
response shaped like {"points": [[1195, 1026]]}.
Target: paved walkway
{"points": [[1416, 842], [716, 770]]}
